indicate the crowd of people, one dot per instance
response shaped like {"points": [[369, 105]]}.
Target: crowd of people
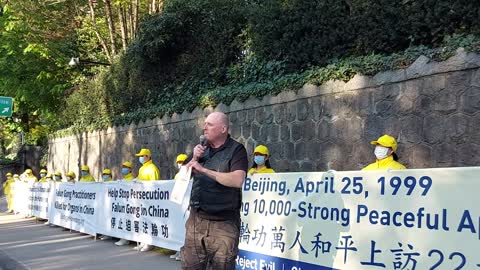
{"points": [[219, 168]]}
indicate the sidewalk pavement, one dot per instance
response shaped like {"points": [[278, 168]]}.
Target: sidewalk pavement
{"points": [[25, 244]]}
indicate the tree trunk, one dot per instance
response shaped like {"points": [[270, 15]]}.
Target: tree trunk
{"points": [[123, 26], [130, 21], [111, 25], [100, 38], [160, 5], [154, 6], [135, 17]]}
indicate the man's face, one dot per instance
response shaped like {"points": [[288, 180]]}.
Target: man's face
{"points": [[213, 128]]}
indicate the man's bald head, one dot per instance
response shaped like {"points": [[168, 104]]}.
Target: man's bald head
{"points": [[220, 118], [216, 127]]}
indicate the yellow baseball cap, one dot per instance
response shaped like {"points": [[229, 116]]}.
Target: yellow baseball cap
{"points": [[261, 149], [144, 152], [58, 173], [181, 158], [71, 174], [107, 171], [43, 171], [127, 164], [386, 141], [85, 168], [8, 174], [28, 171]]}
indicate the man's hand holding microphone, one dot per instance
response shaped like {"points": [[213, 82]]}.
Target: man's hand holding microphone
{"points": [[198, 152]]}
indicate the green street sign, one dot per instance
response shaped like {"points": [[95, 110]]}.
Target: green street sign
{"points": [[6, 106]]}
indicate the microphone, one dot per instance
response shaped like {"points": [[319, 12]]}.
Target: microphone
{"points": [[203, 140]]}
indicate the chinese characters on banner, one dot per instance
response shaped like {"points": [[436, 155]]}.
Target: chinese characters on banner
{"points": [[412, 219], [143, 212]]}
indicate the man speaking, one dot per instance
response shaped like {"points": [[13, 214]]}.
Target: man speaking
{"points": [[219, 166]]}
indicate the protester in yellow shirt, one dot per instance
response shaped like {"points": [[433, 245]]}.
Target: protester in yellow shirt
{"points": [[71, 177], [107, 175], [180, 161], [43, 175], [29, 177], [57, 176], [148, 171], [385, 149], [7, 191], [85, 174], [261, 163], [127, 174]]}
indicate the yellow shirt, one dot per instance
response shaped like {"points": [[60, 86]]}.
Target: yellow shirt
{"points": [[385, 164], [262, 170], [6, 186], [148, 172], [87, 178], [128, 177], [32, 179], [43, 179]]}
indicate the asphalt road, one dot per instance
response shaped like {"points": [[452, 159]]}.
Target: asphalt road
{"points": [[26, 244]]}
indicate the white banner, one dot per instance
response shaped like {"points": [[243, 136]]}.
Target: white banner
{"points": [[76, 206], [411, 219], [182, 185], [21, 198], [143, 212], [39, 197]]}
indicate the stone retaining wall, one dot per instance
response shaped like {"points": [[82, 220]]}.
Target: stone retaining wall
{"points": [[433, 109]]}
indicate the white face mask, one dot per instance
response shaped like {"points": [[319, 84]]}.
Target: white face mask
{"points": [[179, 165], [381, 152]]}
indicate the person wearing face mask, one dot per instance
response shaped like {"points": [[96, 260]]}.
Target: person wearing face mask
{"points": [[148, 172], [49, 177], [385, 149], [43, 175], [71, 177], [127, 174], [57, 177], [85, 175], [261, 163], [107, 175], [180, 161]]}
